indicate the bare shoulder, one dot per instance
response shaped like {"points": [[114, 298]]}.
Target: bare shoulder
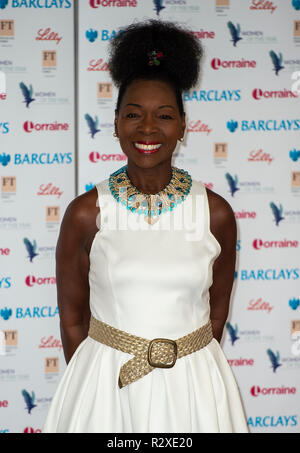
{"points": [[222, 218], [80, 218]]}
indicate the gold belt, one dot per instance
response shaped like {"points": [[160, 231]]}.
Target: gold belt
{"points": [[148, 354]]}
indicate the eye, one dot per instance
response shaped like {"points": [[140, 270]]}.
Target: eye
{"points": [[165, 116], [132, 115]]}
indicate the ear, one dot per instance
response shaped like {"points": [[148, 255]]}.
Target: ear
{"points": [[116, 121], [183, 124]]}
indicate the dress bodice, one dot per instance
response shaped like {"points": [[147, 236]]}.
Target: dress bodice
{"points": [[153, 280]]}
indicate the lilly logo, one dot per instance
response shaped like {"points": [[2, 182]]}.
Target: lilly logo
{"points": [[93, 124], [232, 125], [3, 4], [232, 332], [235, 32], [274, 359], [158, 6], [277, 212], [294, 303], [29, 400], [31, 249], [232, 183], [91, 35], [6, 313], [277, 61], [27, 93], [296, 4], [294, 154], [4, 159]]}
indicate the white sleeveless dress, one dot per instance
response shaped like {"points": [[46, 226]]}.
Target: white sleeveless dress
{"points": [[151, 281]]}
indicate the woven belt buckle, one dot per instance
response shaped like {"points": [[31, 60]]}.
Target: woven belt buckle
{"points": [[162, 365]]}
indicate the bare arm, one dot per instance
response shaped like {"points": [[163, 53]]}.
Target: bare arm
{"points": [[223, 227], [72, 267]]}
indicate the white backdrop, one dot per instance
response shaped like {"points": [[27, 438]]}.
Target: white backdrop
{"points": [[243, 122]]}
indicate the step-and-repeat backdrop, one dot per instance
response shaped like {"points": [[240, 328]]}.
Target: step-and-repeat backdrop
{"points": [[242, 141], [37, 183]]}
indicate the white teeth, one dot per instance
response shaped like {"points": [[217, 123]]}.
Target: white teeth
{"points": [[147, 147]]}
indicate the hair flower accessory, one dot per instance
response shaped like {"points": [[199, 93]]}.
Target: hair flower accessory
{"points": [[154, 57]]}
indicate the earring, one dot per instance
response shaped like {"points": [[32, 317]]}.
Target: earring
{"points": [[115, 135], [181, 139]]}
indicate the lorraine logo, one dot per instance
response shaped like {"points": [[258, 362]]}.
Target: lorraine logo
{"points": [[91, 35], [29, 400], [235, 32], [274, 359], [31, 249], [158, 6], [294, 154], [5, 313], [277, 212], [232, 332], [232, 182], [232, 125], [3, 4], [296, 4], [27, 93], [277, 61], [294, 303], [5, 159], [92, 124]]}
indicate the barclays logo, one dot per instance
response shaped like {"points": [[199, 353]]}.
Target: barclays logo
{"points": [[234, 32], [273, 421], [5, 282], [89, 186], [91, 35], [5, 313], [270, 274], [5, 159], [264, 125], [3, 4], [213, 95], [274, 358], [294, 303], [294, 154], [36, 312], [38, 4], [296, 4], [92, 124], [277, 61], [232, 125]]}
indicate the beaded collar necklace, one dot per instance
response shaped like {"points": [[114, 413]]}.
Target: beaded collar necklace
{"points": [[150, 205]]}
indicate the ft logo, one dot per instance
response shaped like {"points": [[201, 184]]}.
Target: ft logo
{"points": [[52, 213], [7, 28], [8, 184], [104, 90], [51, 365], [49, 58]]}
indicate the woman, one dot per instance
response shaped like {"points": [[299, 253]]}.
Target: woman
{"points": [[159, 268]]}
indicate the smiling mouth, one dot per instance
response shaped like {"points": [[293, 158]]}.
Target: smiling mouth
{"points": [[147, 148]]}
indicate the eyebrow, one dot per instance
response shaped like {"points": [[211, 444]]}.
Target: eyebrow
{"points": [[160, 107]]}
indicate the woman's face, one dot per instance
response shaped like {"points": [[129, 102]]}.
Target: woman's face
{"points": [[149, 123]]}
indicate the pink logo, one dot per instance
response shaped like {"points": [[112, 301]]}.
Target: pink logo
{"points": [[259, 243], [49, 189], [48, 35], [31, 280], [217, 63], [29, 126], [98, 65], [258, 93]]}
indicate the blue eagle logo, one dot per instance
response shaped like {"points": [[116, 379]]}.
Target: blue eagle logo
{"points": [[158, 6], [93, 124], [294, 303], [235, 32], [27, 93], [29, 400], [277, 61], [91, 35], [296, 4], [31, 249], [232, 125], [294, 155], [277, 212], [274, 359], [4, 159], [6, 313], [232, 183], [232, 332]]}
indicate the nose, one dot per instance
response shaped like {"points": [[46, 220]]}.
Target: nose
{"points": [[148, 125]]}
